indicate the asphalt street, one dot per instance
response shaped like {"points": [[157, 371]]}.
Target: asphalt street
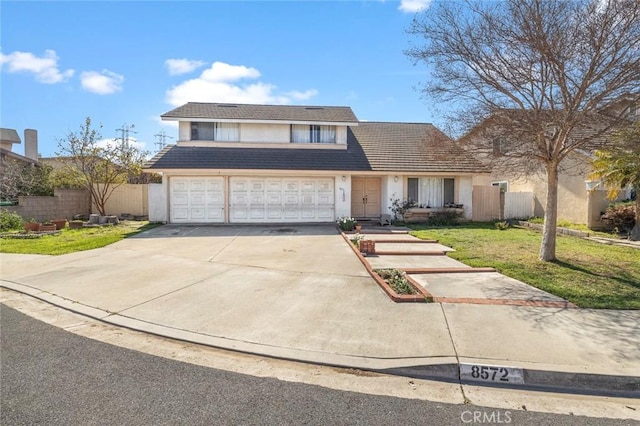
{"points": [[50, 376]]}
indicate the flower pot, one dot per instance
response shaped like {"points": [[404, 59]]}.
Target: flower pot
{"points": [[60, 223], [76, 224], [47, 227], [32, 226], [358, 228]]}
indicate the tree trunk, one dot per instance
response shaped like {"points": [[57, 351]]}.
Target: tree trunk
{"points": [[635, 232], [548, 245]]}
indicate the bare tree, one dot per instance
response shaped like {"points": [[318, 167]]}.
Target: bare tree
{"points": [[102, 165], [18, 178], [545, 68]]}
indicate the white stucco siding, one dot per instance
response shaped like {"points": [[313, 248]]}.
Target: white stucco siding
{"points": [[184, 130], [464, 193], [341, 135], [343, 196], [267, 133], [158, 202], [392, 188]]}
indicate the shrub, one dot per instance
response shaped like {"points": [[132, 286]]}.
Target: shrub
{"points": [[445, 218], [347, 223], [621, 216], [399, 208], [397, 280], [10, 220], [501, 225]]}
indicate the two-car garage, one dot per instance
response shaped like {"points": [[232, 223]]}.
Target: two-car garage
{"points": [[239, 199]]}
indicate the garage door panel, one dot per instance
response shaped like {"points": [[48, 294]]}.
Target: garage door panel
{"points": [[291, 199], [256, 213], [325, 214], [274, 199], [180, 214], [197, 199]]}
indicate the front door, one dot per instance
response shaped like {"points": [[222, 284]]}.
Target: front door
{"points": [[365, 197]]}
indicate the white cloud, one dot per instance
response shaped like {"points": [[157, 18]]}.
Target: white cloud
{"points": [[109, 143], [45, 68], [412, 6], [102, 83], [301, 96], [182, 66], [223, 83]]}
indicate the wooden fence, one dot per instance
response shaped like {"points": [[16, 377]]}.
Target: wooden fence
{"points": [[127, 199]]}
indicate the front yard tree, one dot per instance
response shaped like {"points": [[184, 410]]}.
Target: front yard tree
{"points": [[547, 67], [619, 167], [101, 165]]}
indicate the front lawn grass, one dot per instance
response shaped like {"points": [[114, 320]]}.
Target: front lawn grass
{"points": [[72, 240], [589, 274]]}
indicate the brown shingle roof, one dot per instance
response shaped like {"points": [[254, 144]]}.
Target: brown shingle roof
{"points": [[415, 147], [335, 114]]}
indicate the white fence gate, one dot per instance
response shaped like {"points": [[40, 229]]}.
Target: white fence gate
{"points": [[518, 205]]}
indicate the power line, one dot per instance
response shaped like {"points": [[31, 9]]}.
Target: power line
{"points": [[125, 130], [162, 139]]}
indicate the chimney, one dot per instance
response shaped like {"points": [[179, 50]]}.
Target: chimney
{"points": [[31, 144]]}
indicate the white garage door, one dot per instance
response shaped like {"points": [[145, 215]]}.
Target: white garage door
{"points": [[281, 200], [197, 200]]}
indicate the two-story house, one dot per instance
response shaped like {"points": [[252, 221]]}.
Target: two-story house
{"points": [[237, 163], [580, 199]]}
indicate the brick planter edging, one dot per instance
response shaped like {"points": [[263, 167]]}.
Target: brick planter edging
{"points": [[422, 296]]}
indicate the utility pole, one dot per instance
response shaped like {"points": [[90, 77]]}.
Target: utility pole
{"points": [[125, 130], [162, 139]]}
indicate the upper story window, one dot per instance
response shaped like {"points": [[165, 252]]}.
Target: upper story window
{"points": [[312, 133], [225, 132], [501, 146]]}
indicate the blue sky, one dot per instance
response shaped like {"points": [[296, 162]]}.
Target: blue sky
{"points": [[129, 62]]}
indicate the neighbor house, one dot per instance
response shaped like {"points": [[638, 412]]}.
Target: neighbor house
{"points": [[236, 163], [581, 200], [9, 137]]}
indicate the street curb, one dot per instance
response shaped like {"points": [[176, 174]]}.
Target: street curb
{"points": [[446, 368]]}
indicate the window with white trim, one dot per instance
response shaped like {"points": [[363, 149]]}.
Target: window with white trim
{"points": [[223, 132], [312, 133], [431, 192], [503, 184]]}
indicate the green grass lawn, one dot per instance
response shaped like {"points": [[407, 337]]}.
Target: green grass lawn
{"points": [[72, 240], [589, 274]]}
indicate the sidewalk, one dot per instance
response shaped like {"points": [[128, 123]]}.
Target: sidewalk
{"points": [[272, 293]]}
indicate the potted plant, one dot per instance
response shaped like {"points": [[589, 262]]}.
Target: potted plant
{"points": [[47, 226], [346, 223], [31, 225]]}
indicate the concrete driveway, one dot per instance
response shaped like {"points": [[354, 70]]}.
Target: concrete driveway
{"points": [[278, 290]]}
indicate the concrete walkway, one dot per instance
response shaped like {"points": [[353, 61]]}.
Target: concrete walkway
{"points": [[299, 292]]}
